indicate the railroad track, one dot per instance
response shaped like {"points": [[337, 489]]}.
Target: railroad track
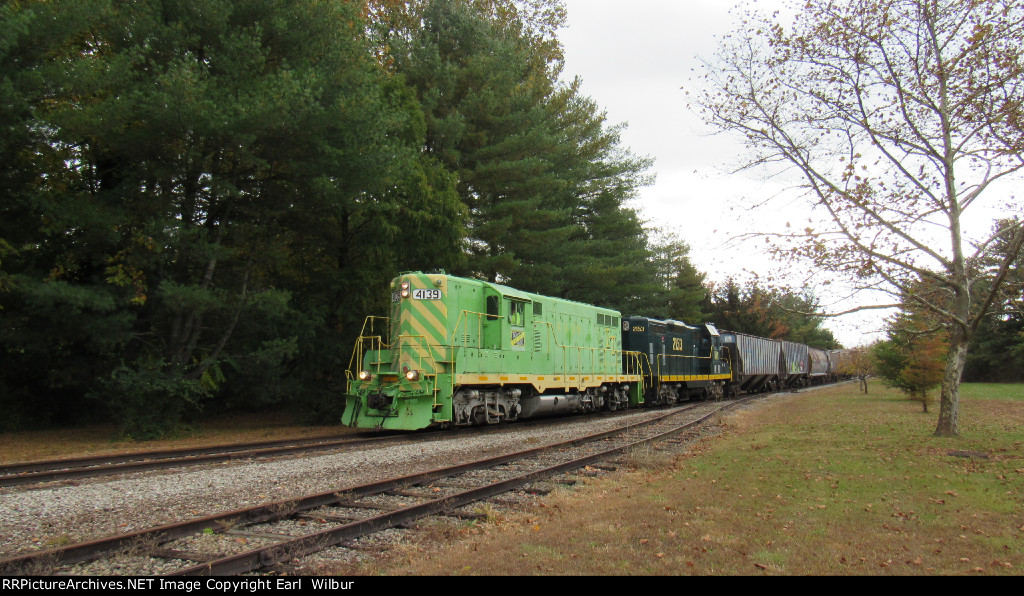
{"points": [[281, 532], [88, 467], [24, 473]]}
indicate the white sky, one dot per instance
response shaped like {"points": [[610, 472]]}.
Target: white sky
{"points": [[634, 58]]}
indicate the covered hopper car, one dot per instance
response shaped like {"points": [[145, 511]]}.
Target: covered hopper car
{"points": [[819, 369], [757, 363]]}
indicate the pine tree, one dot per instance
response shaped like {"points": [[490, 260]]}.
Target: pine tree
{"points": [[539, 171], [221, 186]]}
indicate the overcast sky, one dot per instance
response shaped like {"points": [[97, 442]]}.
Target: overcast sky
{"points": [[636, 59]]}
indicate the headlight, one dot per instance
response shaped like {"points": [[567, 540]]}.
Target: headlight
{"points": [[364, 375], [412, 375], [405, 285]]}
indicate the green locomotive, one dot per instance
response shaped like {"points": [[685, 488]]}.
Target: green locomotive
{"points": [[462, 352]]}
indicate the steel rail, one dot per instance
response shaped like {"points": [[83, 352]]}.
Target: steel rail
{"points": [[19, 474], [90, 550], [88, 467], [304, 545]]}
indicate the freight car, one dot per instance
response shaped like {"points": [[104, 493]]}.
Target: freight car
{"points": [[819, 366], [796, 364], [757, 363], [841, 365]]}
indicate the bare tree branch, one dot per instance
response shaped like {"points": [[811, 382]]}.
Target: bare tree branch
{"points": [[898, 116]]}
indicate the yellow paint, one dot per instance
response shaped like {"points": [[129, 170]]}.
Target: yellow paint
{"points": [[684, 378], [544, 384]]}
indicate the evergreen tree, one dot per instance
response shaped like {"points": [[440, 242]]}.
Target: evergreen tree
{"points": [[997, 350], [219, 186], [540, 173], [204, 199], [686, 294]]}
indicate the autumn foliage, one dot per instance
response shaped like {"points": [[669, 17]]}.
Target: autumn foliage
{"points": [[912, 359]]}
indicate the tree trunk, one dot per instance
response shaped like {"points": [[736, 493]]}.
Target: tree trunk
{"points": [[949, 401]]}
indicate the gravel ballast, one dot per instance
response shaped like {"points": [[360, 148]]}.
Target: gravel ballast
{"points": [[48, 515]]}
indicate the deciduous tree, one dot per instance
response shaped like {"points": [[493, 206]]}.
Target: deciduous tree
{"points": [[769, 312], [899, 118], [912, 359]]}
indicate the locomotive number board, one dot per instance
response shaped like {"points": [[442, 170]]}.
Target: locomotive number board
{"points": [[426, 294]]}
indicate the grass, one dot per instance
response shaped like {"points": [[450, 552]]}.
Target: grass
{"points": [[993, 391], [823, 483]]}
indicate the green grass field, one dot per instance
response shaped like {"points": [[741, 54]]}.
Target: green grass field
{"points": [[825, 482], [975, 391]]}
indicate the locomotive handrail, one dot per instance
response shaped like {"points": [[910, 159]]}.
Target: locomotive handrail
{"points": [[403, 341], [579, 361], [637, 364], [464, 316], [419, 358], [656, 368], [377, 345], [358, 350], [370, 320], [461, 339], [647, 380], [663, 360]]}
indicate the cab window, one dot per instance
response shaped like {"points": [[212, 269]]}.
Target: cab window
{"points": [[517, 313]]}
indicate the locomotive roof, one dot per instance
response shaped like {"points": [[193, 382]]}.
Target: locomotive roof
{"points": [[508, 291], [513, 292], [677, 324]]}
